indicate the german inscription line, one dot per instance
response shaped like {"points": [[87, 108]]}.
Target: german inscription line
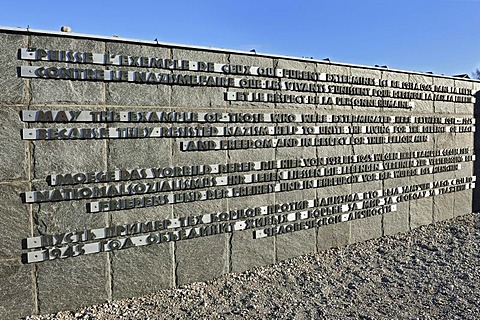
{"points": [[350, 164], [400, 169], [66, 194]]}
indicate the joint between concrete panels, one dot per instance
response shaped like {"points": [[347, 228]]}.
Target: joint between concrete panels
{"points": [[175, 265], [434, 197], [317, 249], [104, 84], [36, 292], [382, 222], [170, 89], [410, 217], [173, 246], [34, 271], [230, 253], [274, 239], [109, 281], [109, 284]]}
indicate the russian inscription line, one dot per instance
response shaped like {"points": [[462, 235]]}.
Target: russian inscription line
{"points": [[71, 244], [323, 205]]}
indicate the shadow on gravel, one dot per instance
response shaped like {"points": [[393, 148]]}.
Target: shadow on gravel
{"points": [[476, 147]]}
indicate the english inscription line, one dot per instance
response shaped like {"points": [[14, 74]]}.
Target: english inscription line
{"points": [[225, 131], [62, 116], [215, 144]]}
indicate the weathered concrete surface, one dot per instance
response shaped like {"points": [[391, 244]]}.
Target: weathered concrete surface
{"points": [[327, 176]]}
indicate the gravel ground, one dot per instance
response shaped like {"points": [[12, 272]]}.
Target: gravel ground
{"points": [[432, 272]]}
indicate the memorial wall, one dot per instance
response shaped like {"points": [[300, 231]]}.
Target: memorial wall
{"points": [[131, 166]]}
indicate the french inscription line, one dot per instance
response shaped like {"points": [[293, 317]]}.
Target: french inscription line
{"points": [[306, 94], [34, 54]]}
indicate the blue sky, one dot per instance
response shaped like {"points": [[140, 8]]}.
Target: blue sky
{"points": [[442, 36]]}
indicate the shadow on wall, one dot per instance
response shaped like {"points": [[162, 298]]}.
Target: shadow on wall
{"points": [[476, 146]]}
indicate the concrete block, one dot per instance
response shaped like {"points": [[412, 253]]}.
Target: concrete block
{"points": [[465, 108], [252, 61], [398, 221], [142, 270], [46, 91], [13, 88], [16, 290], [463, 203], [68, 284], [206, 97], [63, 216], [67, 156], [135, 94], [423, 106], [445, 107], [139, 153], [202, 259], [421, 212], [334, 70], [180, 157], [443, 207], [289, 245], [16, 222], [365, 229], [292, 78], [333, 236], [138, 94], [13, 163], [247, 253], [122, 217], [295, 244]]}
